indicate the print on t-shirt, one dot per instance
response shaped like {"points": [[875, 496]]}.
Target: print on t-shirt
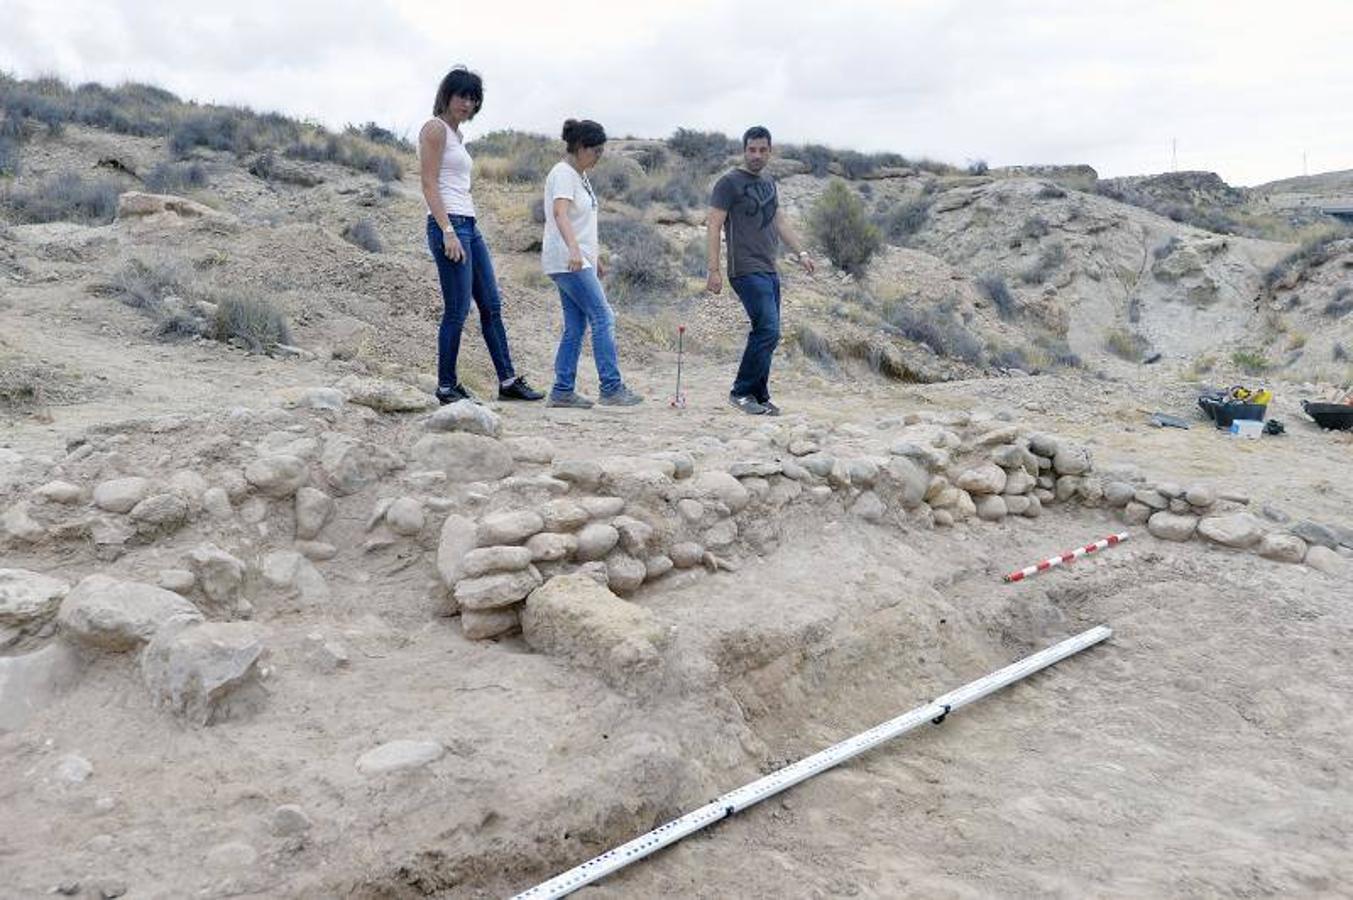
{"points": [[759, 200]]}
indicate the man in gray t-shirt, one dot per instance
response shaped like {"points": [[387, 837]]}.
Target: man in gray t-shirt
{"points": [[745, 206]]}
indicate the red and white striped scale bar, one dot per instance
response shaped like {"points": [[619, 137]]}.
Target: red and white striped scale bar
{"points": [[1068, 556]]}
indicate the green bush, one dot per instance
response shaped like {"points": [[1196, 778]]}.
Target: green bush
{"points": [[839, 224], [1251, 362]]}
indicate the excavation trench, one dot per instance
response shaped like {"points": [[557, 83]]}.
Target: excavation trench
{"points": [[839, 627]]}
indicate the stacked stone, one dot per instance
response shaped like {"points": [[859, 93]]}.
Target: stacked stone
{"points": [[1172, 512]]}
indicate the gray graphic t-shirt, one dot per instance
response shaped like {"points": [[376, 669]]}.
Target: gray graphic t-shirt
{"points": [[751, 202]]}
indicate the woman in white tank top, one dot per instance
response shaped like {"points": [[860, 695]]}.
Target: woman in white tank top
{"points": [[464, 266]]}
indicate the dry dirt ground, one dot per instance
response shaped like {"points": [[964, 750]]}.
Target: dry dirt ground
{"points": [[1204, 750]]}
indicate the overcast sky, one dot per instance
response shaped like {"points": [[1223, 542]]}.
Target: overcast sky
{"points": [[1244, 87]]}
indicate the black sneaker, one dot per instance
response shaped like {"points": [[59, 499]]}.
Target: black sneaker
{"points": [[771, 408], [458, 391], [519, 390], [747, 405]]}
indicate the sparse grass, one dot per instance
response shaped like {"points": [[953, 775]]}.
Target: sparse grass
{"points": [[1296, 341], [936, 327], [9, 155], [1124, 344], [694, 258], [65, 198], [1058, 352], [615, 175], [145, 283], [839, 224], [993, 287], [814, 346], [641, 260], [1251, 362], [1049, 191], [23, 385], [1165, 249], [1035, 227], [1050, 259], [681, 189], [146, 111], [978, 167], [174, 177], [1313, 253], [1202, 366], [251, 322], [362, 233], [650, 157], [515, 156], [1341, 304], [537, 211]]}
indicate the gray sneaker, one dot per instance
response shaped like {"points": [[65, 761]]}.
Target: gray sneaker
{"points": [[771, 408], [570, 400], [747, 405], [620, 397]]}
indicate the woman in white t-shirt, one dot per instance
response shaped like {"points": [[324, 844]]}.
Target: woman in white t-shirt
{"points": [[464, 266], [571, 257]]}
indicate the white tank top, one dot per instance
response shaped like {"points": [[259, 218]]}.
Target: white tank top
{"points": [[453, 175]]}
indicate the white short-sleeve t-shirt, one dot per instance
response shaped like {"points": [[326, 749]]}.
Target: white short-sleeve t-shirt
{"points": [[566, 182]]}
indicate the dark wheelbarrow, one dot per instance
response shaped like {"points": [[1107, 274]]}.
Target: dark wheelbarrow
{"points": [[1333, 416]]}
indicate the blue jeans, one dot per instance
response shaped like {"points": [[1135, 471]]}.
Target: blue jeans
{"points": [[471, 278], [760, 296], [584, 302]]}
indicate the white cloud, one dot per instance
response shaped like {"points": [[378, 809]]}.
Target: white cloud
{"points": [[1244, 87]]}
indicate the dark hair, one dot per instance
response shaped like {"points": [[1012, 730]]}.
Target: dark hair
{"points": [[459, 82], [584, 133], [756, 132]]}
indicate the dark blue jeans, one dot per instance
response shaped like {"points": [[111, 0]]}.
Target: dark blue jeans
{"points": [[471, 278], [760, 296]]}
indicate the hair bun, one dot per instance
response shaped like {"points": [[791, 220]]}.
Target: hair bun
{"points": [[570, 128]]}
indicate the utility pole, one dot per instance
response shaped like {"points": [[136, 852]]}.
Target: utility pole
{"points": [[1304, 169], [1174, 154]]}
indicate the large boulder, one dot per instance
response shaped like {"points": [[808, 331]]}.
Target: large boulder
{"points": [[204, 672], [115, 615], [467, 416], [463, 457], [573, 617], [909, 479], [29, 597]]}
